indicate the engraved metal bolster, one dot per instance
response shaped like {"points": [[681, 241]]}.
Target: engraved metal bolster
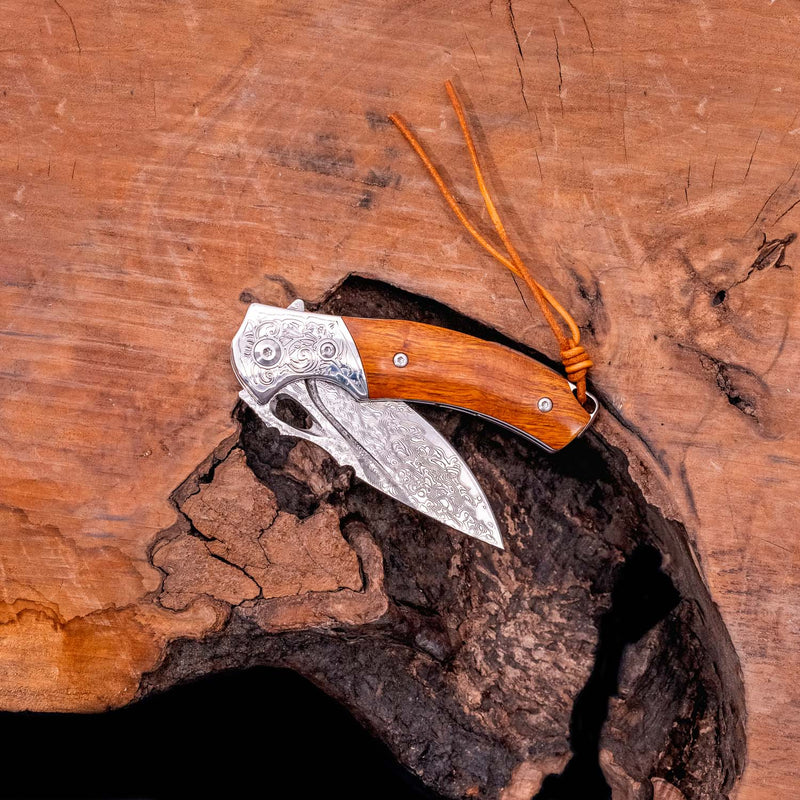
{"points": [[276, 346]]}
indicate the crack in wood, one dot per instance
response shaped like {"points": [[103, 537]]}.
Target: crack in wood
{"points": [[512, 22], [560, 75], [522, 86], [740, 385], [585, 24], [771, 254], [72, 23]]}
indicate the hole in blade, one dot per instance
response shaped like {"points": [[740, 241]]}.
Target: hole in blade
{"points": [[288, 410]]}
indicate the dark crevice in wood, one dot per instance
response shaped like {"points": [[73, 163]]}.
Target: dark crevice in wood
{"points": [[771, 254], [310, 745], [486, 659], [740, 385], [642, 596], [267, 453]]}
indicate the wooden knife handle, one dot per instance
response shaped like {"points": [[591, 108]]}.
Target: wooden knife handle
{"points": [[457, 370]]}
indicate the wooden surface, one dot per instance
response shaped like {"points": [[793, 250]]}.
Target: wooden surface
{"points": [[589, 644], [157, 160], [465, 372]]}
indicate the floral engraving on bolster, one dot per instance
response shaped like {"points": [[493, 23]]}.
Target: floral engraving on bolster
{"points": [[276, 346]]}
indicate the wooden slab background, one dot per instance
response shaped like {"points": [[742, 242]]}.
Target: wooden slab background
{"points": [[156, 160]]}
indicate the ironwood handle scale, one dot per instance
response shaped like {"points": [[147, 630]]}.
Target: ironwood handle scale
{"points": [[422, 363]]}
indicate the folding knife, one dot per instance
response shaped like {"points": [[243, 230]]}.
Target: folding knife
{"points": [[352, 376]]}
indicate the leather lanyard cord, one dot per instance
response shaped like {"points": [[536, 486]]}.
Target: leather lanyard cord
{"points": [[574, 357]]}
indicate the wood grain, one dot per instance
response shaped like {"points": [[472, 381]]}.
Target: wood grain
{"points": [[464, 372], [157, 160]]}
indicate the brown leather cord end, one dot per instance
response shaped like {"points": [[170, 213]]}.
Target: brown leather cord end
{"points": [[573, 355]]}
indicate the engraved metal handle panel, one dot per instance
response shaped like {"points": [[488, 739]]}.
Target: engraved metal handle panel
{"points": [[276, 346]]}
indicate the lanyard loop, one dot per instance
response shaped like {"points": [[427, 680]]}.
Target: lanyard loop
{"points": [[573, 355]]}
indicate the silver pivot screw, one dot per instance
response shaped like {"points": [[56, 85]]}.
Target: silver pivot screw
{"points": [[400, 360], [545, 404]]}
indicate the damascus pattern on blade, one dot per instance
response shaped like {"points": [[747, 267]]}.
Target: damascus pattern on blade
{"points": [[395, 450]]}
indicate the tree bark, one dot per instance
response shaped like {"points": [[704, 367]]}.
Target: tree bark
{"points": [[163, 166]]}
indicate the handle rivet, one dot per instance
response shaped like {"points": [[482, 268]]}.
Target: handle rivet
{"points": [[327, 349], [545, 404], [400, 359]]}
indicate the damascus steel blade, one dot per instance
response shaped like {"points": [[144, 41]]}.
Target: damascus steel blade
{"points": [[392, 448]]}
